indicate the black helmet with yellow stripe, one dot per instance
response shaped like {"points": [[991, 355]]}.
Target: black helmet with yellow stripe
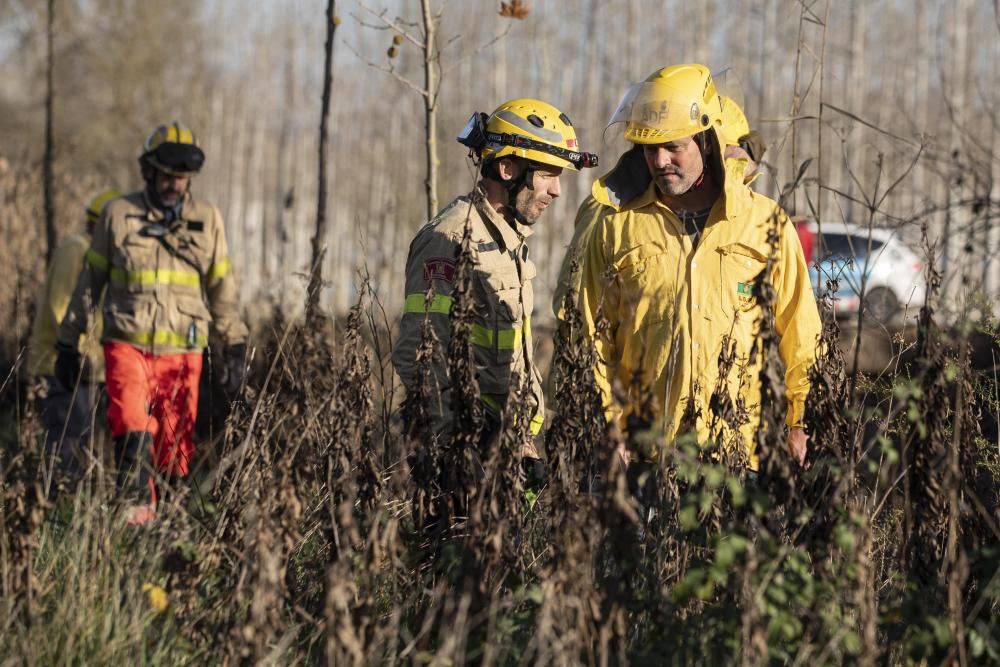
{"points": [[172, 149]]}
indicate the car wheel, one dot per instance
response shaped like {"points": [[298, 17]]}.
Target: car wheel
{"points": [[881, 305]]}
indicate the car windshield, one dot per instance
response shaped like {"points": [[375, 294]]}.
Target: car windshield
{"points": [[846, 246]]}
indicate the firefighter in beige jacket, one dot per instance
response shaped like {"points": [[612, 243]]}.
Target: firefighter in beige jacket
{"points": [[161, 256], [523, 147], [67, 412]]}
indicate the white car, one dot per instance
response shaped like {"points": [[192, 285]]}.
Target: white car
{"points": [[894, 281]]}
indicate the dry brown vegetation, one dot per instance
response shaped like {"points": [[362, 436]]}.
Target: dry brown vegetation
{"points": [[314, 531]]}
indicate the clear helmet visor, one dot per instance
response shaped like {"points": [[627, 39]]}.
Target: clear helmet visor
{"points": [[653, 112], [728, 84]]}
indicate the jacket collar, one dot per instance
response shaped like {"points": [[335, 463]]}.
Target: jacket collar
{"points": [[511, 236], [154, 214], [629, 186]]}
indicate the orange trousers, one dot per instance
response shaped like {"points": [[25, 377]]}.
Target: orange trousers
{"points": [[156, 394]]}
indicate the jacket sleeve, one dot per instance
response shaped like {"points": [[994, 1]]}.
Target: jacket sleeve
{"points": [[586, 220], [221, 289], [89, 285], [430, 266], [797, 321], [599, 296]]}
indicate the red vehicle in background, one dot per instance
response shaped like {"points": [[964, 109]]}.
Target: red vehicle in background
{"points": [[807, 237]]}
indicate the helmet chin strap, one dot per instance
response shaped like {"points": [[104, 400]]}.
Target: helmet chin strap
{"points": [[523, 181], [513, 187]]}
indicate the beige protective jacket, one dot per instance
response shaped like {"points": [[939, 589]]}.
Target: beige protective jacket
{"points": [[60, 281], [165, 283], [501, 332]]}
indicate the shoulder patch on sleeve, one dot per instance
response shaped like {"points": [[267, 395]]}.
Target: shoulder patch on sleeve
{"points": [[439, 268]]}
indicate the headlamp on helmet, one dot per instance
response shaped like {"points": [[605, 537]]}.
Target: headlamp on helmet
{"points": [[525, 128]]}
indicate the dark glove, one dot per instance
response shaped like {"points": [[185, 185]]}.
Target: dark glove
{"points": [[535, 474], [234, 360], [68, 363], [754, 145]]}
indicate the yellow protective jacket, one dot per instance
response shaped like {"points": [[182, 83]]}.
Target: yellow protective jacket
{"points": [[503, 301], [628, 179], [165, 283], [60, 280], [669, 305]]}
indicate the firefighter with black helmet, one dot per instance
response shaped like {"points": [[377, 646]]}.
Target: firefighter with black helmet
{"points": [[159, 255]]}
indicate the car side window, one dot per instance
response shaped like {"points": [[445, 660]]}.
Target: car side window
{"points": [[846, 246]]}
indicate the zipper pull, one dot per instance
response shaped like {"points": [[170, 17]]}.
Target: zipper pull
{"points": [[192, 335]]}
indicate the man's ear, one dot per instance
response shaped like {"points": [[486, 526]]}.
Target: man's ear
{"points": [[508, 168]]}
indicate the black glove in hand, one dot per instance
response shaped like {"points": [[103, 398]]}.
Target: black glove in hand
{"points": [[68, 363], [535, 474], [754, 145], [234, 359]]}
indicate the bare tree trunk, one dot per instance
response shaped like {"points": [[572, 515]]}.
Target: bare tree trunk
{"points": [[990, 265], [48, 178], [316, 273], [855, 97], [820, 195], [500, 57], [632, 54], [956, 216], [285, 185], [430, 106]]}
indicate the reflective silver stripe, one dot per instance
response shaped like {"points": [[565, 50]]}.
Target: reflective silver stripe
{"points": [[517, 121]]}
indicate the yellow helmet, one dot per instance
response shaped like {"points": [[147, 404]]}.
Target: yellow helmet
{"points": [[526, 128], [96, 204], [735, 125], [173, 149], [672, 103]]}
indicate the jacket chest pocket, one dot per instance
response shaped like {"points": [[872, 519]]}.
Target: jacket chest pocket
{"points": [[138, 252], [648, 277], [501, 292], [740, 267], [135, 262]]}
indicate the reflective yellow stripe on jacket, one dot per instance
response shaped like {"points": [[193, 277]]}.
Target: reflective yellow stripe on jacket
{"points": [[505, 339], [171, 338], [96, 260], [120, 276], [535, 427], [218, 270], [155, 277]]}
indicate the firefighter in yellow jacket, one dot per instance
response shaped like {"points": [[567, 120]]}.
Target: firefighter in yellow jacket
{"points": [[522, 148], [67, 412], [673, 268], [630, 178], [161, 256]]}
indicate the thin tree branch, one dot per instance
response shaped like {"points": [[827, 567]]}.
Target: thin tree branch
{"points": [[391, 71]]}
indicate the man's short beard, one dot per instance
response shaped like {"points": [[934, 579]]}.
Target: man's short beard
{"points": [[686, 189], [521, 215]]}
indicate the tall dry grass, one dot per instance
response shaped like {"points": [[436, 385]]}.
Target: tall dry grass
{"points": [[317, 532]]}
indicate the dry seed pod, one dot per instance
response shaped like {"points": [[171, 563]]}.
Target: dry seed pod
{"points": [[397, 39], [391, 52]]}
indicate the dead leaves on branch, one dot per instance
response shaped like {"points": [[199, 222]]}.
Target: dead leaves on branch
{"points": [[515, 9]]}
